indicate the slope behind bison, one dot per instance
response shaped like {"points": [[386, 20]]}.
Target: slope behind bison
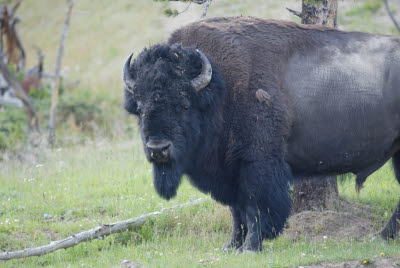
{"points": [[244, 105]]}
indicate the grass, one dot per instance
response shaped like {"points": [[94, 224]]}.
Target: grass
{"points": [[378, 191], [69, 190], [58, 193], [368, 16]]}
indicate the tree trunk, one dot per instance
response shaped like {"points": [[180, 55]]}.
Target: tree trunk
{"points": [[316, 193], [323, 12]]}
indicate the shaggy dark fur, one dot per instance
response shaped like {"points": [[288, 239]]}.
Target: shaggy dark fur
{"points": [[319, 119]]}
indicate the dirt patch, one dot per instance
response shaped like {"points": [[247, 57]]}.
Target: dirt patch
{"points": [[27, 237], [52, 236], [348, 221], [387, 263]]}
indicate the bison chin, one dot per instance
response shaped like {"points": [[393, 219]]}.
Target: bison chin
{"points": [[167, 177]]}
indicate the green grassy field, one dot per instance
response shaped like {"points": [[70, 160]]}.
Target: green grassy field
{"points": [[53, 194], [74, 189]]}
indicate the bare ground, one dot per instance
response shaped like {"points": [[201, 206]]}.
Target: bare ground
{"points": [[344, 220], [384, 262]]}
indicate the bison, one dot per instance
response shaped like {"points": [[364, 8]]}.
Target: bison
{"points": [[244, 106]]}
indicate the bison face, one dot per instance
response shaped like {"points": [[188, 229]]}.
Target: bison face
{"points": [[162, 88]]}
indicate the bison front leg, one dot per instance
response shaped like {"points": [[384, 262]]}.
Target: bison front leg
{"points": [[254, 237], [266, 200], [239, 230]]}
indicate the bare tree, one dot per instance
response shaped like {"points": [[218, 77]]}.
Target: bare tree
{"points": [[55, 91], [316, 193], [391, 15], [15, 54]]}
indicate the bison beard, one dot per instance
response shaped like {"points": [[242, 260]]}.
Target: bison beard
{"points": [[167, 177]]}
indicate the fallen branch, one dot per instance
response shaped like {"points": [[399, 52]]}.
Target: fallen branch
{"points": [[391, 15], [54, 93], [99, 232]]}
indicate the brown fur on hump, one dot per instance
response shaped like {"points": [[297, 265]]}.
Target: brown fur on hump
{"points": [[251, 54], [240, 44]]}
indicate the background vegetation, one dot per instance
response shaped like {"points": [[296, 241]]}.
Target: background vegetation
{"points": [[98, 174]]}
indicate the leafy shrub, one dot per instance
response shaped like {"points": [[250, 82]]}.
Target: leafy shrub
{"points": [[369, 8], [82, 108], [13, 127], [40, 93], [79, 112]]}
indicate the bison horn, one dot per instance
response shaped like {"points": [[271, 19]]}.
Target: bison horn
{"points": [[128, 81], [204, 78]]}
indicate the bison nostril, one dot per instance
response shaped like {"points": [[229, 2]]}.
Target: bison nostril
{"points": [[159, 150]]}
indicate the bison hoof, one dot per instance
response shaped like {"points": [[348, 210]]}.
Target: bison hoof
{"points": [[247, 252], [249, 248], [387, 234], [230, 246]]}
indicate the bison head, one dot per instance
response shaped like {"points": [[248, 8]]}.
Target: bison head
{"points": [[174, 93]]}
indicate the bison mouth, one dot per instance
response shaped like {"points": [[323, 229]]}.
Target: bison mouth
{"points": [[167, 177], [168, 161]]}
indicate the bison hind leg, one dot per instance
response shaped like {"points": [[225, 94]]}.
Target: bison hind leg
{"points": [[360, 183], [396, 165], [392, 227], [365, 173]]}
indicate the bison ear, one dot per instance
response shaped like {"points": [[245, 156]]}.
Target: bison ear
{"points": [[130, 105]]}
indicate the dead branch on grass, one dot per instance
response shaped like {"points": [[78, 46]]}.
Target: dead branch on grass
{"points": [[100, 231]]}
